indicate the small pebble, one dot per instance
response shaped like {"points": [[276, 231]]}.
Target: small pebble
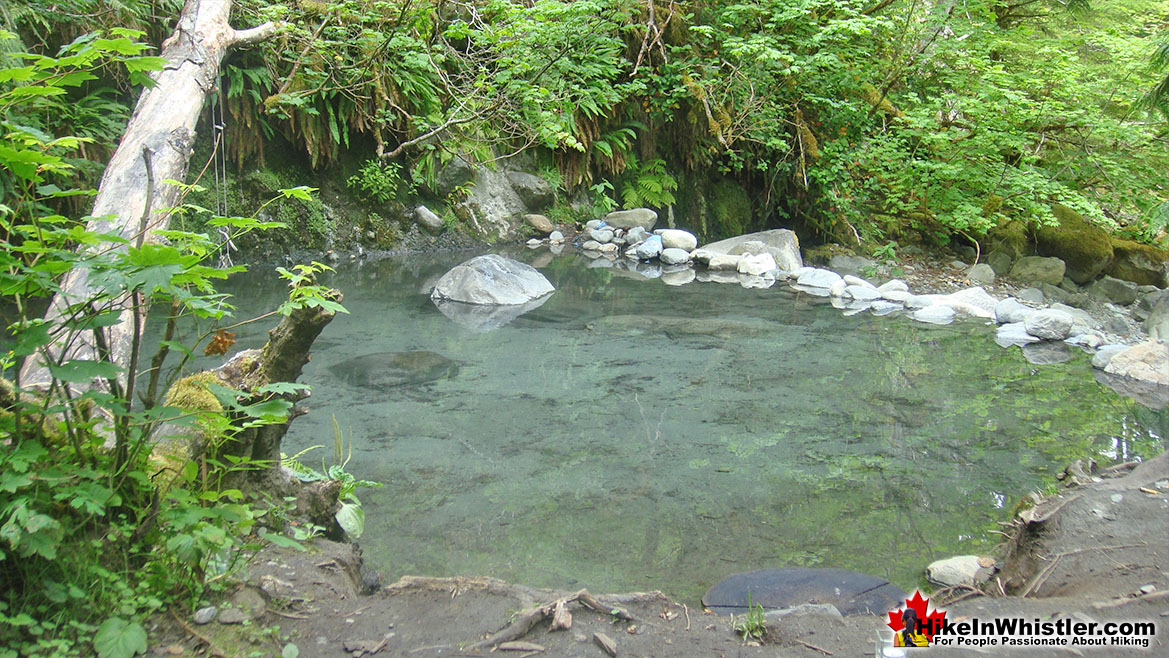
{"points": [[1148, 589], [1116, 498]]}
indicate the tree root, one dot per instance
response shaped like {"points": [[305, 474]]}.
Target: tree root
{"points": [[211, 648], [525, 622]]}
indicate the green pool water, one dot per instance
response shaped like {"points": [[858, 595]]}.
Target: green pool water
{"points": [[629, 435]]}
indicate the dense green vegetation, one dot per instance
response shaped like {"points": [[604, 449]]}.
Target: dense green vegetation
{"points": [[862, 121], [99, 526], [849, 119]]}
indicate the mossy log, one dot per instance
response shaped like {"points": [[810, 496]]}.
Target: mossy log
{"points": [[280, 360]]}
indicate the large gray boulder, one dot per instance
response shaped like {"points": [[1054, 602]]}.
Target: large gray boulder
{"points": [[1049, 324], [782, 244], [427, 219], [492, 279], [534, 191], [456, 173], [1111, 289], [855, 265], [678, 239], [627, 219], [1037, 269], [542, 224], [1157, 324], [1147, 362], [493, 207]]}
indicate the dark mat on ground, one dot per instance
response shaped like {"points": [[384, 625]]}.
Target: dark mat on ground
{"points": [[852, 593]]}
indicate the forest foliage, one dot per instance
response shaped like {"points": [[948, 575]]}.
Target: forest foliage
{"points": [[863, 120]]}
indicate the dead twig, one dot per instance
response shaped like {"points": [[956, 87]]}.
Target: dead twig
{"points": [[525, 622], [289, 615], [211, 648], [1125, 466], [1151, 596], [815, 648], [1040, 577], [687, 611]]}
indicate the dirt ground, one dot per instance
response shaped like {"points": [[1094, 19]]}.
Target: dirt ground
{"points": [[1098, 550]]}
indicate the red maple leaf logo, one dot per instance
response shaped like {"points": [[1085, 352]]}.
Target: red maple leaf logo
{"points": [[931, 621]]}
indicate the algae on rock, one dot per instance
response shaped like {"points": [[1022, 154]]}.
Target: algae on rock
{"points": [[1140, 263], [1084, 247]]}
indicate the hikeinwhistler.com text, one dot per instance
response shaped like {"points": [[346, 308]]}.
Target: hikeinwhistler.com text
{"points": [[1018, 632]]}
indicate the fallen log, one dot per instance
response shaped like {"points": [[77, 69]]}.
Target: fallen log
{"points": [[156, 146]]}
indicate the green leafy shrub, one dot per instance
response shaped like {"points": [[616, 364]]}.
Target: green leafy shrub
{"points": [[380, 181], [93, 536]]}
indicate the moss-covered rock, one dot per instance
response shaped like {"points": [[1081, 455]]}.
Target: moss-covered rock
{"points": [[1139, 263], [1009, 237], [191, 393], [729, 211], [1085, 248]]}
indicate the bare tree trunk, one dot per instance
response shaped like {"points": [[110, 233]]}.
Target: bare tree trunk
{"points": [[156, 146]]}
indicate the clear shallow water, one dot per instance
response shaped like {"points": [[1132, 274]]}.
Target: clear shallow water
{"points": [[628, 435]]}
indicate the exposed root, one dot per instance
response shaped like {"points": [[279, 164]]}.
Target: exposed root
{"points": [[525, 622], [211, 648]]}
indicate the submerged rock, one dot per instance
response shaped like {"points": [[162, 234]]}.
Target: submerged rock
{"points": [[492, 279], [935, 314], [850, 592], [1046, 353], [1013, 333], [390, 369], [487, 317]]}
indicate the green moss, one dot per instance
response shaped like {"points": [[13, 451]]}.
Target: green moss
{"points": [[1085, 248], [730, 212], [1009, 237], [191, 393], [819, 256], [1140, 263]]}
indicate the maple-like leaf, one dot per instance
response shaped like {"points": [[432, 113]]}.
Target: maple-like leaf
{"points": [[931, 620], [219, 343]]}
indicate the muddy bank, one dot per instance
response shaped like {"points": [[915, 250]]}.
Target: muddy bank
{"points": [[1094, 551]]}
